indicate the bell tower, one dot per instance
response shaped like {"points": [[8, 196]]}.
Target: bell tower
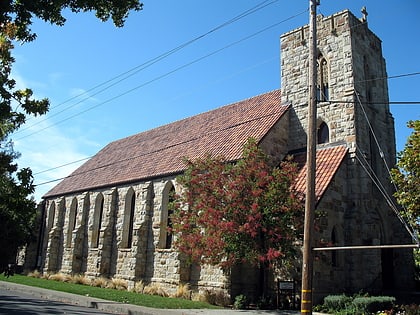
{"points": [[351, 70], [352, 110]]}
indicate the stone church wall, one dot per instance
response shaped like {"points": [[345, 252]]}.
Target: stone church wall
{"points": [[120, 231], [74, 251]]}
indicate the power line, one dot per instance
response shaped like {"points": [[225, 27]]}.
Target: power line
{"points": [[63, 165], [160, 149], [375, 179], [378, 103], [374, 79], [131, 72], [367, 168], [164, 75], [330, 101]]}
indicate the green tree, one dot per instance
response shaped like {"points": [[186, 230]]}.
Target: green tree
{"points": [[245, 212], [406, 177], [17, 209]]}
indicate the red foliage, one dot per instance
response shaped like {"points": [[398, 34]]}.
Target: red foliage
{"points": [[242, 212]]}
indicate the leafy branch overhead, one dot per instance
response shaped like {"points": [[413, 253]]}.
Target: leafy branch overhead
{"points": [[17, 210], [407, 177], [16, 18]]}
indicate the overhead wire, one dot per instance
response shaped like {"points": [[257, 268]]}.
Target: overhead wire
{"points": [[131, 72], [373, 175], [330, 101], [138, 68], [375, 79], [196, 137], [369, 171], [163, 75]]}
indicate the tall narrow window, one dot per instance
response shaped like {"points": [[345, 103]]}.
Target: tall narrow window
{"points": [[169, 219], [51, 217], [368, 80], [322, 84], [128, 223], [165, 240], [97, 220], [131, 222], [333, 253], [323, 133], [72, 222]]}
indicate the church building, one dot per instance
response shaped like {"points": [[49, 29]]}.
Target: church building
{"points": [[110, 216]]}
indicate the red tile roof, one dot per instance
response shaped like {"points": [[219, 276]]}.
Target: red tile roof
{"points": [[160, 151], [328, 160]]}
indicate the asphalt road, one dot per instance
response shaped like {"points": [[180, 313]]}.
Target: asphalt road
{"points": [[18, 303], [17, 299]]}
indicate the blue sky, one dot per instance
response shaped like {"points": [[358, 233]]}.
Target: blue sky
{"points": [[106, 83]]}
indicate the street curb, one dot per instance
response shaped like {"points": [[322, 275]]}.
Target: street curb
{"points": [[81, 300], [121, 308]]}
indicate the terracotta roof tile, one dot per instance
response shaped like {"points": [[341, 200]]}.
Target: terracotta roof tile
{"points": [[160, 151], [328, 161]]}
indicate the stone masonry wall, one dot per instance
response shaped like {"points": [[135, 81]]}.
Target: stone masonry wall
{"points": [[357, 114], [144, 260], [78, 239]]}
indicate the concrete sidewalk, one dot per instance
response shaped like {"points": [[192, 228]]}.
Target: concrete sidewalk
{"points": [[128, 309]]}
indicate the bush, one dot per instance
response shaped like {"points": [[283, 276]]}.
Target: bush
{"points": [[337, 302], [265, 303], [155, 289], [183, 291], [214, 297], [139, 287], [359, 305], [373, 304], [100, 282], [117, 284], [241, 302], [411, 309]]}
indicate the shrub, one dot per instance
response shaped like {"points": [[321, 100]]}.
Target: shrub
{"points": [[34, 274], [100, 282], [155, 289], [118, 284], [265, 302], [241, 302], [336, 302], [80, 279], [373, 304], [183, 291], [411, 309], [62, 277], [214, 297], [139, 287]]}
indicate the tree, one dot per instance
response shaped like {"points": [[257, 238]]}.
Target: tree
{"points": [[17, 209], [245, 212], [406, 177]]}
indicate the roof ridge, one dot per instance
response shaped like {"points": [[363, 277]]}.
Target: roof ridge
{"points": [[221, 131], [195, 116]]}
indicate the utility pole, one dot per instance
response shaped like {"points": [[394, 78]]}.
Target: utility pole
{"points": [[307, 265]]}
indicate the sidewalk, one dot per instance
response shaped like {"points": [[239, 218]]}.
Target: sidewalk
{"points": [[126, 309]]}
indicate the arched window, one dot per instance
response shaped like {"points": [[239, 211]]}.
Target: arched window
{"points": [[323, 93], [323, 133], [72, 222], [97, 220], [368, 80], [166, 237], [128, 223], [169, 219], [51, 216]]}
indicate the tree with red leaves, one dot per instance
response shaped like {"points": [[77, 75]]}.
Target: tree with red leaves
{"points": [[243, 212]]}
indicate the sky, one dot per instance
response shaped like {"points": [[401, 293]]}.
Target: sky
{"points": [[176, 59]]}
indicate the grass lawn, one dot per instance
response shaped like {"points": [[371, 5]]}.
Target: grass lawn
{"points": [[109, 294]]}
